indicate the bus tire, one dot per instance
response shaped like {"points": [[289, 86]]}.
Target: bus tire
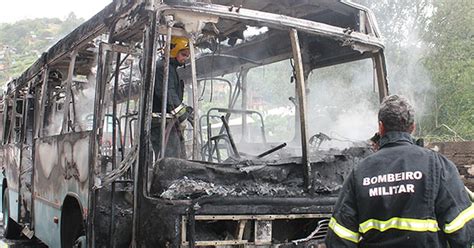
{"points": [[11, 229], [81, 242], [72, 225]]}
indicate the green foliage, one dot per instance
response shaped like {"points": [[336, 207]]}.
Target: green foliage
{"points": [[272, 84], [430, 59], [22, 42], [451, 63]]}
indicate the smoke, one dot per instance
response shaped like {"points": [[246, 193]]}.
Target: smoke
{"points": [[402, 23], [409, 77], [84, 104], [54, 114], [342, 100], [346, 91], [342, 104]]}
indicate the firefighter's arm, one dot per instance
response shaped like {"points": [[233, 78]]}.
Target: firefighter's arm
{"points": [[454, 209], [173, 100], [173, 88], [343, 226]]}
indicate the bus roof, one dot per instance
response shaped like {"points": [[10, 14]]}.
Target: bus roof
{"points": [[339, 20]]}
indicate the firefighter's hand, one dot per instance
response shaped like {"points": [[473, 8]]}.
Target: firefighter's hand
{"points": [[185, 113], [190, 114]]}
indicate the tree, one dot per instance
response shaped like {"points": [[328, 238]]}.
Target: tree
{"points": [[451, 62], [430, 59], [22, 42]]}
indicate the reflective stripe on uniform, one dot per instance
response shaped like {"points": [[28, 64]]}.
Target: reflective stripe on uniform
{"points": [[459, 222], [416, 225], [343, 232], [179, 110], [158, 115]]}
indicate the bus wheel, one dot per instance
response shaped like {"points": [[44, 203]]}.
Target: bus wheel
{"points": [[11, 229], [72, 225], [80, 242]]}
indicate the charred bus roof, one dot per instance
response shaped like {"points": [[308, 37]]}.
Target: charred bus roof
{"points": [[343, 14], [334, 31], [330, 32]]}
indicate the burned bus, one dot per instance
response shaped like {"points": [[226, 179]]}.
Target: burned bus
{"points": [[283, 92]]}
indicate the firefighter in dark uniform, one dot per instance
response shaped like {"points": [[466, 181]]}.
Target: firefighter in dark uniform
{"points": [[176, 111], [403, 195]]}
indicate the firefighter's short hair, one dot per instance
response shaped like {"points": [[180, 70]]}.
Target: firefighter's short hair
{"points": [[397, 114]]}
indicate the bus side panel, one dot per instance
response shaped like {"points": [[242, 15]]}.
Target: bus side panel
{"points": [[1, 185], [2, 171], [13, 204], [45, 227], [61, 169], [11, 154]]}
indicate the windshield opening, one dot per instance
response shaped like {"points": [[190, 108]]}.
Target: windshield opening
{"points": [[342, 102], [247, 105]]}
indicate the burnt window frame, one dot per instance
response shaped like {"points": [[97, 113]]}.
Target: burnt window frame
{"points": [[7, 121], [47, 97]]}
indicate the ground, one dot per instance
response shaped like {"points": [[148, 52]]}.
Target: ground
{"points": [[24, 243]]}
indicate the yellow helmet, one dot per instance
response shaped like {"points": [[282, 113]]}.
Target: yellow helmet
{"points": [[177, 44]]}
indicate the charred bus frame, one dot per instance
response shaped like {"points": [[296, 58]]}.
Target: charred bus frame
{"points": [[59, 182]]}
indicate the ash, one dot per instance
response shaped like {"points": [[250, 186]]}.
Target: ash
{"points": [[284, 177], [186, 188]]}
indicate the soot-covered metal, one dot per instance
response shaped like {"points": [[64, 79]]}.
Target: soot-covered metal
{"points": [[237, 199], [177, 179], [208, 203]]}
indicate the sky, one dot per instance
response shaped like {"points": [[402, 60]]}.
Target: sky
{"points": [[15, 10]]}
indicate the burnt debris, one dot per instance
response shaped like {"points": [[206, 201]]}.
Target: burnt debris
{"points": [[180, 179]]}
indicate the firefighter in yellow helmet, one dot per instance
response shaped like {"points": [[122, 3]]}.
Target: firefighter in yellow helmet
{"points": [[176, 111], [179, 44]]}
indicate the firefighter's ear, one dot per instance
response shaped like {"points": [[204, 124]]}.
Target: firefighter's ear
{"points": [[412, 128], [381, 129]]}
